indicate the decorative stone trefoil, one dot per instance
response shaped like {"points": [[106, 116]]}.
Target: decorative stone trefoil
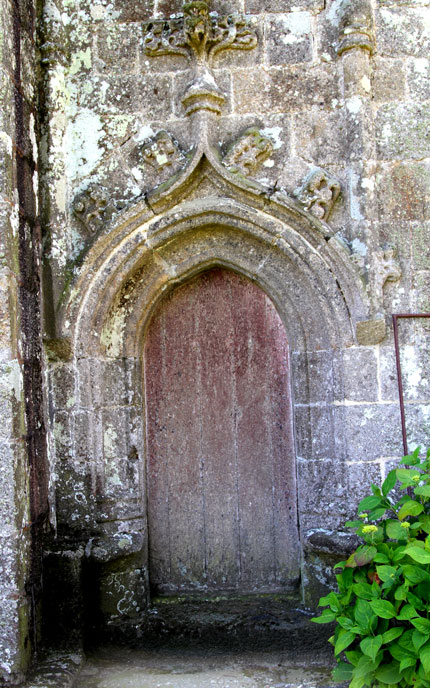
{"points": [[318, 193], [248, 152], [162, 151], [91, 208]]}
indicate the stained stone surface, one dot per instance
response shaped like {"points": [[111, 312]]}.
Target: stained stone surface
{"points": [[191, 668], [114, 192]]}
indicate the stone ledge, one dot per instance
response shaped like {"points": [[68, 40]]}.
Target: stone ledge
{"points": [[57, 670]]}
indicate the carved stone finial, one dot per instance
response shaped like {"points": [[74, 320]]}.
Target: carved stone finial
{"points": [[248, 152], [198, 34], [160, 151], [356, 26], [91, 208], [203, 94], [385, 268], [318, 193]]}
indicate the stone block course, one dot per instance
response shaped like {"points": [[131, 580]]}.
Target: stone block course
{"points": [[118, 46], [254, 6], [403, 191], [418, 78], [403, 31], [371, 430], [388, 79], [403, 131], [291, 89], [356, 375]]}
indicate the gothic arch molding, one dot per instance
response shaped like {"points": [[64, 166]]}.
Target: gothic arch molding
{"points": [[309, 278]]}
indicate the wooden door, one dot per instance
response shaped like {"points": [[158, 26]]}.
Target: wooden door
{"points": [[219, 444]]}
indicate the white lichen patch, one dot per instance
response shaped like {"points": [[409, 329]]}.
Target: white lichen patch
{"points": [[354, 105], [274, 133], [80, 59], [296, 25], [83, 135], [112, 334], [359, 247], [411, 370]]}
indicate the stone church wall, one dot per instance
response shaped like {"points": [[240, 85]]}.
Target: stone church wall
{"points": [[301, 160]]}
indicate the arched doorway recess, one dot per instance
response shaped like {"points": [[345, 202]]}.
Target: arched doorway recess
{"points": [[221, 483], [101, 485]]}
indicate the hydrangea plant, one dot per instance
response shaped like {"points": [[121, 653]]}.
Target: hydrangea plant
{"points": [[382, 607]]}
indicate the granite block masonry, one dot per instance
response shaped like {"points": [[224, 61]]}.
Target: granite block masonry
{"points": [[190, 168]]}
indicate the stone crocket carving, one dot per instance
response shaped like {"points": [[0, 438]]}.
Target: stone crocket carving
{"points": [[91, 208], [385, 268], [248, 152], [161, 151], [318, 193]]}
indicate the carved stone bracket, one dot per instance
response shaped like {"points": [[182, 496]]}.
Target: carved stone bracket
{"points": [[92, 208], [318, 193], [248, 152], [356, 26], [384, 268]]}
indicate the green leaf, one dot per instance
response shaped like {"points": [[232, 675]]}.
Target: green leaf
{"points": [[391, 634], [394, 530], [326, 617], [422, 490], [353, 656], [371, 646], [364, 614], [344, 640], [425, 522], [364, 667], [399, 652], [343, 672], [418, 554], [376, 514], [381, 558], [401, 592], [345, 622], [425, 657], [414, 574], [383, 608], [365, 591], [423, 625], [386, 572], [369, 503], [407, 612], [415, 602], [418, 639], [405, 475], [389, 482], [407, 662], [364, 555], [388, 673], [410, 508], [399, 553]]}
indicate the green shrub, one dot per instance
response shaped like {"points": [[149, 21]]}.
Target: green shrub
{"points": [[382, 608]]}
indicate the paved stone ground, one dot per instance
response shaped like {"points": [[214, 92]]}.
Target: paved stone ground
{"points": [[203, 668]]}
